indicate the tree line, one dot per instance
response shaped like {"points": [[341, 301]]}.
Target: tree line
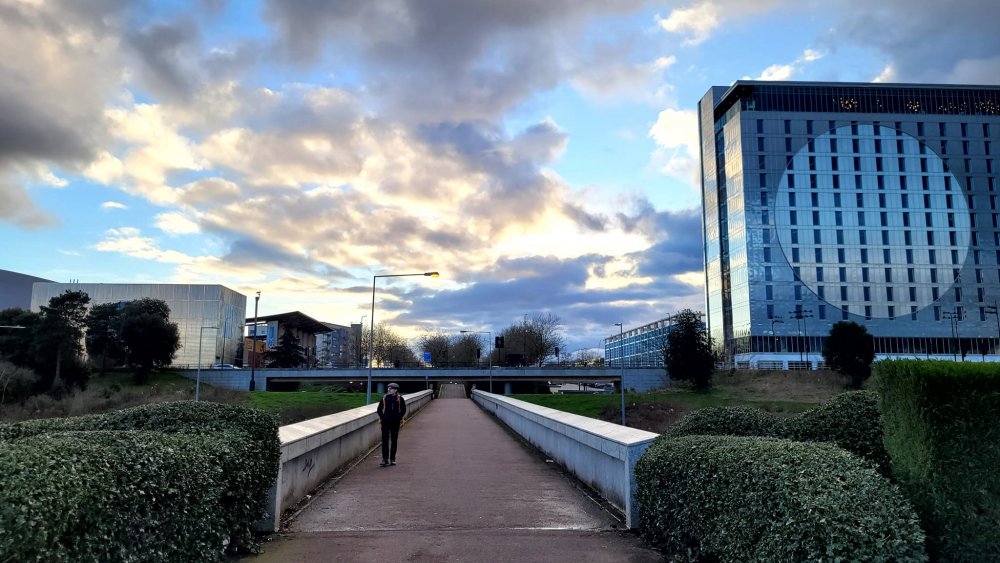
{"points": [[45, 353]]}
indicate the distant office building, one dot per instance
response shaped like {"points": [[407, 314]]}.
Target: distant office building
{"points": [[872, 203], [218, 309], [15, 289], [641, 346], [270, 328], [332, 348]]}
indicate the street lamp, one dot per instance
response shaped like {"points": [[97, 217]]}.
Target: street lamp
{"points": [[197, 381], [490, 333], [371, 332], [621, 358], [774, 336], [253, 359]]}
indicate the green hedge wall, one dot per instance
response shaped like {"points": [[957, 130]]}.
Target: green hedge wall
{"points": [[729, 498], [942, 430], [169, 482], [851, 420]]}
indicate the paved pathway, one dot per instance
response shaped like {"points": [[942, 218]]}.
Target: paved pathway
{"points": [[463, 490]]}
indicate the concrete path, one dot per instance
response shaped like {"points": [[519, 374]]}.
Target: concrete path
{"points": [[463, 490]]}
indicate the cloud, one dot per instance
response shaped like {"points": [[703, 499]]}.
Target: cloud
{"points": [[130, 242], [113, 205], [176, 224], [696, 22], [677, 153], [888, 74], [952, 42], [786, 71], [449, 60]]}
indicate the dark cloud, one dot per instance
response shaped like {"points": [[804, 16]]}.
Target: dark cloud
{"points": [[251, 252], [165, 52], [926, 41], [17, 209], [678, 248], [437, 59]]}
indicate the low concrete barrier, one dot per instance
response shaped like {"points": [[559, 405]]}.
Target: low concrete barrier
{"points": [[599, 453], [313, 450]]}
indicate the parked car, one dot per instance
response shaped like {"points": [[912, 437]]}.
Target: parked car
{"points": [[224, 366]]}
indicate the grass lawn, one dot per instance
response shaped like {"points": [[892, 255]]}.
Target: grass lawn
{"points": [[294, 406], [778, 392]]}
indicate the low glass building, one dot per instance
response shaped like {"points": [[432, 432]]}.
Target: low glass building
{"points": [[872, 203], [638, 347], [192, 307]]}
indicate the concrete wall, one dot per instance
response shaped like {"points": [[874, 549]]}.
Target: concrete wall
{"points": [[313, 450], [599, 453]]}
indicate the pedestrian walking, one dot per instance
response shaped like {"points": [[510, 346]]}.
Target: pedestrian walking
{"points": [[391, 410]]}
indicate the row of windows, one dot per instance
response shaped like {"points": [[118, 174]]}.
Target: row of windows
{"points": [[864, 99], [888, 294], [911, 275], [936, 220], [875, 181], [876, 129], [932, 256], [842, 271], [825, 312], [826, 200], [883, 345]]}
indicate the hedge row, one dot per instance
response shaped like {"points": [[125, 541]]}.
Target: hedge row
{"points": [[851, 420], [941, 430], [729, 498], [170, 482]]}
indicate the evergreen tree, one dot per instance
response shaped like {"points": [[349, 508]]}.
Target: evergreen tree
{"points": [[688, 355], [149, 339], [849, 350], [288, 353]]}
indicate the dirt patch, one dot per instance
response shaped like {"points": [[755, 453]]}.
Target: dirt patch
{"points": [[652, 417], [810, 386]]}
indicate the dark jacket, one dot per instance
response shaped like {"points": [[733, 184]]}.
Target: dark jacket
{"points": [[392, 408]]}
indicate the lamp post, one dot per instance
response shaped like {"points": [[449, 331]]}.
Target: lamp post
{"points": [[490, 333], [253, 359], [798, 314], [197, 381], [775, 337], [371, 331], [621, 359]]}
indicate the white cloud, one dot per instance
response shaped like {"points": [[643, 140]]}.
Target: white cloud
{"points": [[888, 74], [786, 71], [176, 224], [130, 242], [696, 22], [677, 155], [113, 205]]}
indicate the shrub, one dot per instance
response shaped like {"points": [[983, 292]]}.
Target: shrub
{"points": [[852, 420], [175, 481], [941, 432], [732, 421], [728, 498]]}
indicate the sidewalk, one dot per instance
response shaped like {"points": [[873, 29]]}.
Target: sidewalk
{"points": [[463, 490]]}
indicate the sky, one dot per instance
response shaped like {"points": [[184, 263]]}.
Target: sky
{"points": [[540, 154]]}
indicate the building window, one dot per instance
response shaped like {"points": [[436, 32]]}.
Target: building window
{"points": [[769, 292]]}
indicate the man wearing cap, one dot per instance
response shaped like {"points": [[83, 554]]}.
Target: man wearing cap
{"points": [[391, 410]]}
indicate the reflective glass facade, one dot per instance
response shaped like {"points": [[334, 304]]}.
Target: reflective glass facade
{"points": [[191, 307], [876, 204], [638, 347]]}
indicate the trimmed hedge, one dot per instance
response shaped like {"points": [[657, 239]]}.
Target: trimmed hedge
{"points": [[942, 434], [851, 420], [728, 498], [168, 482], [727, 421]]}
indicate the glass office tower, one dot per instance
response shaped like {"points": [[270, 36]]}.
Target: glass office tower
{"points": [[191, 307], [870, 203], [641, 346]]}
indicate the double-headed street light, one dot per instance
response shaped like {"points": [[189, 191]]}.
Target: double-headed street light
{"points": [[371, 332], [621, 358], [490, 333]]}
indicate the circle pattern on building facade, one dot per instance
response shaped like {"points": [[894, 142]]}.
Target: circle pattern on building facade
{"points": [[872, 221]]}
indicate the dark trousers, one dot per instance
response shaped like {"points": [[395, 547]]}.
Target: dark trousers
{"points": [[390, 436]]}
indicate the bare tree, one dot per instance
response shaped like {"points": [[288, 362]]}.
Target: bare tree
{"points": [[390, 348], [437, 344], [532, 340]]}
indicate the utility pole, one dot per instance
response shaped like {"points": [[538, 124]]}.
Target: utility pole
{"points": [[955, 316], [798, 314], [992, 310]]}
